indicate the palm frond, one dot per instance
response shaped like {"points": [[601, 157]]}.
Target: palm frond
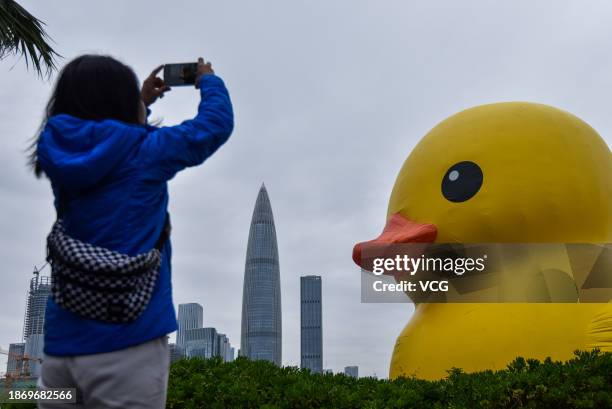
{"points": [[23, 34]]}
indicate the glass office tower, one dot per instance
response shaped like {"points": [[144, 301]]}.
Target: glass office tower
{"points": [[261, 336], [190, 316], [202, 342], [311, 325]]}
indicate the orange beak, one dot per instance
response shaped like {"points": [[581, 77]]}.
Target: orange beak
{"points": [[398, 230]]}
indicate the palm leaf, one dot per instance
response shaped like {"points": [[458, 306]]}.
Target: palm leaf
{"points": [[23, 34]]}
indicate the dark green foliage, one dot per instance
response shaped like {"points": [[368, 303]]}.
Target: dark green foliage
{"points": [[23, 34], [583, 382]]}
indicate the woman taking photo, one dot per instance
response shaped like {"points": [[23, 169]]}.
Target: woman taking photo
{"points": [[111, 306]]}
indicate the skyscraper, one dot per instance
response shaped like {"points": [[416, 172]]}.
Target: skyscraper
{"points": [[190, 316], [223, 346], [261, 336], [36, 304], [311, 324], [34, 319]]}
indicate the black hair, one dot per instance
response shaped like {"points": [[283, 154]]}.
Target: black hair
{"points": [[92, 87]]}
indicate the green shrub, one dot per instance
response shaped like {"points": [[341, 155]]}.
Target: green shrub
{"points": [[583, 382]]}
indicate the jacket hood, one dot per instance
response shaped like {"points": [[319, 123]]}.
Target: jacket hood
{"points": [[77, 153]]}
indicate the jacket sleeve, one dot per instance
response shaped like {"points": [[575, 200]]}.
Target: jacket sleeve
{"points": [[168, 150]]}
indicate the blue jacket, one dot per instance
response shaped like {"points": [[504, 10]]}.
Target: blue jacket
{"points": [[113, 178]]}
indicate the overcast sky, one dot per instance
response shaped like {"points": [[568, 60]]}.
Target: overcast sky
{"points": [[329, 98]]}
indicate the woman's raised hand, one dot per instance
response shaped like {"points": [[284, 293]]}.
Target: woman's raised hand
{"points": [[203, 69], [153, 87]]}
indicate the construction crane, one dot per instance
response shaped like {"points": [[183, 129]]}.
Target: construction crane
{"points": [[22, 371]]}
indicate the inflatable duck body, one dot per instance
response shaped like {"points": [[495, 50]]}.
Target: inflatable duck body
{"points": [[506, 173]]}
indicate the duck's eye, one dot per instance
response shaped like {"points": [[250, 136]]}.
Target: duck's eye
{"points": [[462, 181]]}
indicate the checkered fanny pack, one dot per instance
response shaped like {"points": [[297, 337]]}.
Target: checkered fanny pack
{"points": [[98, 283]]}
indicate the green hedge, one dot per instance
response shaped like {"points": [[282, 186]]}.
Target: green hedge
{"points": [[583, 382]]}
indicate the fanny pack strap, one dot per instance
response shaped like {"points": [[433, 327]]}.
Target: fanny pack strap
{"points": [[61, 204], [165, 233], [163, 236]]}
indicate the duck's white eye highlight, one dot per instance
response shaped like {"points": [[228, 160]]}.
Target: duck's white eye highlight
{"points": [[454, 175]]}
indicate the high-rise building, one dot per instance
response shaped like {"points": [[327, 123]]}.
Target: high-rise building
{"points": [[230, 355], [311, 324], [34, 320], [201, 342], [194, 340], [36, 304], [14, 364], [261, 336], [223, 346], [176, 353], [351, 371], [190, 316]]}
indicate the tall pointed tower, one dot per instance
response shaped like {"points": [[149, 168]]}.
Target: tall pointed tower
{"points": [[261, 336]]}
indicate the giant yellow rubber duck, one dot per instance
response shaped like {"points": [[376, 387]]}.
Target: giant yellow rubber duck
{"points": [[504, 173]]}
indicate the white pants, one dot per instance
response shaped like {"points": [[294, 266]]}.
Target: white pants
{"points": [[135, 377]]}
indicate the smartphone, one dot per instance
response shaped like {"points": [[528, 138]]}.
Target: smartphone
{"points": [[180, 74]]}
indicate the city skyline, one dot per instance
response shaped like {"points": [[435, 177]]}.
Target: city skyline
{"points": [[261, 335], [192, 338]]}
